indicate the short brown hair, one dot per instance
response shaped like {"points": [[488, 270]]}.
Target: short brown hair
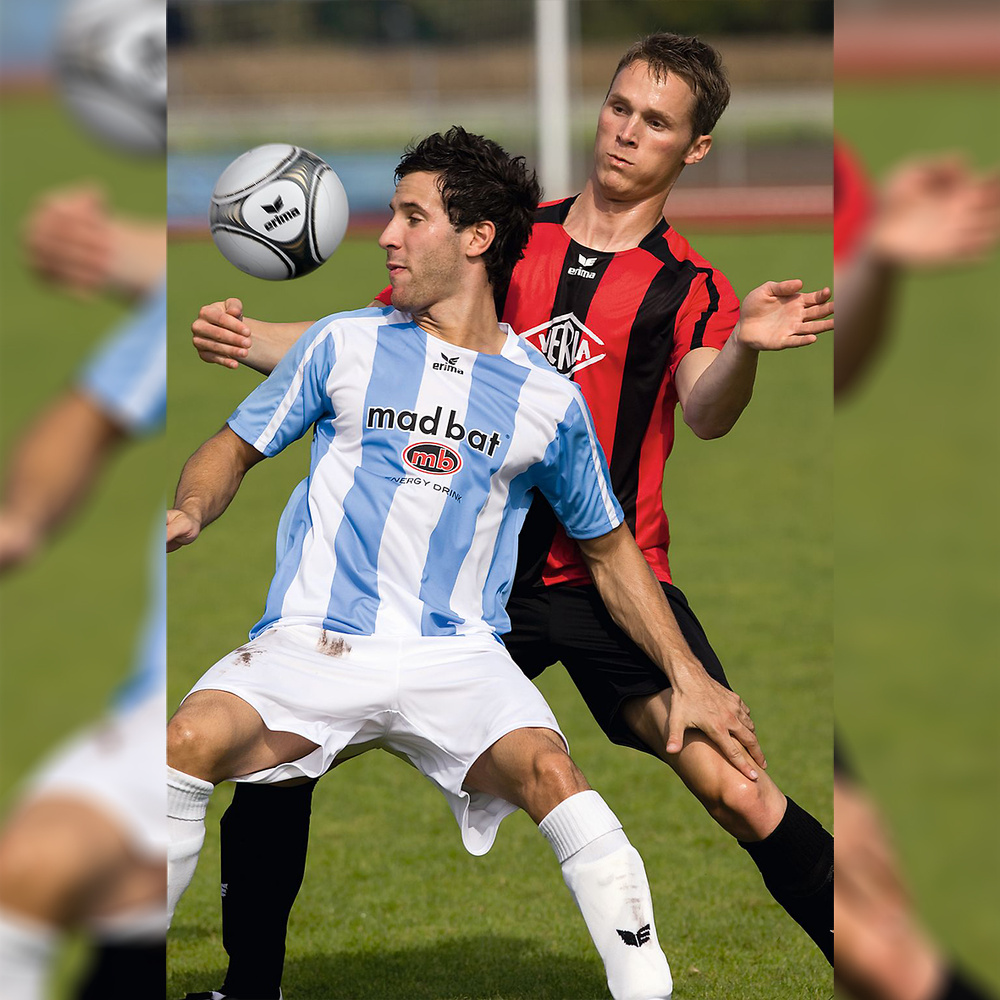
{"points": [[696, 62]]}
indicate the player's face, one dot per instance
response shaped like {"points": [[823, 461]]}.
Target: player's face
{"points": [[423, 251], [644, 135]]}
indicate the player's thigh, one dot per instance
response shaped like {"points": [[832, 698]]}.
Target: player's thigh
{"points": [[217, 735], [609, 669], [529, 767]]}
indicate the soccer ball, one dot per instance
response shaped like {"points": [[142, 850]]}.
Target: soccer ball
{"points": [[278, 211], [111, 69]]}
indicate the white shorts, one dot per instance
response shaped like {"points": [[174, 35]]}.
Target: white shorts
{"points": [[112, 765], [436, 701]]}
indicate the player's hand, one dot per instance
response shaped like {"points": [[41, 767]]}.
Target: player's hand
{"points": [[18, 541], [935, 213], [182, 529], [219, 334], [69, 239], [778, 315], [700, 702]]}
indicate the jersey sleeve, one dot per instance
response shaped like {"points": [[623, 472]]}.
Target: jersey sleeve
{"points": [[127, 374], [574, 477], [707, 317], [293, 397], [853, 203]]}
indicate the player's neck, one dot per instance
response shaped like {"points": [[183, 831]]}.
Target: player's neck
{"points": [[600, 223], [468, 321]]}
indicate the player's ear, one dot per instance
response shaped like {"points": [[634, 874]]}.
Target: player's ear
{"points": [[698, 149], [480, 238]]}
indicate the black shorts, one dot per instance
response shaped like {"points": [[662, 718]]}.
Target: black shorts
{"points": [[572, 625]]}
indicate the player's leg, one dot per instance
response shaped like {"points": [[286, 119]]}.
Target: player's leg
{"points": [[66, 863], [629, 697], [214, 735], [604, 873], [269, 821]]}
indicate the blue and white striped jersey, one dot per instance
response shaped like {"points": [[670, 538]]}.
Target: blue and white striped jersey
{"points": [[127, 376], [127, 379], [423, 456]]}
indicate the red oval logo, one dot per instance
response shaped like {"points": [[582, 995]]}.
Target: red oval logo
{"points": [[433, 458]]}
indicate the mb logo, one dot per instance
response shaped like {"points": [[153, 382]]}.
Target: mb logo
{"points": [[428, 456], [568, 345], [637, 938]]}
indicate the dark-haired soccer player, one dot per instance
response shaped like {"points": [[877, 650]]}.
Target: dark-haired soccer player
{"points": [[619, 302]]}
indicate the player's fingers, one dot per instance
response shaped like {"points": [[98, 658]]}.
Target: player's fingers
{"points": [[790, 286], [234, 307], [737, 756], [748, 738], [821, 311], [215, 333], [818, 297]]}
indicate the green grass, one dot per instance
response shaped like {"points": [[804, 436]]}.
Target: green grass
{"points": [[392, 906], [917, 544], [69, 621]]}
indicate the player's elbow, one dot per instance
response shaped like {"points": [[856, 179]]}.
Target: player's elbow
{"points": [[709, 426]]}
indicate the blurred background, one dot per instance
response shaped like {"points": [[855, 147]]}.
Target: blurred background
{"points": [[918, 483], [752, 513], [70, 618]]}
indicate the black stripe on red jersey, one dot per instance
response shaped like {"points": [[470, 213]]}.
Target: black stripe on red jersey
{"points": [[554, 211], [647, 358]]}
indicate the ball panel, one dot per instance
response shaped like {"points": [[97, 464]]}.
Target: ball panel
{"points": [[256, 166], [276, 210], [330, 214], [253, 255]]}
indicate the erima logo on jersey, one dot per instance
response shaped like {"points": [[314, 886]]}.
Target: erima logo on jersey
{"points": [[387, 418], [581, 271], [568, 345], [635, 939], [448, 365]]}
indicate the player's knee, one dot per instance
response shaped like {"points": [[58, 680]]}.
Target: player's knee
{"points": [[192, 745], [746, 809], [43, 868], [553, 778]]}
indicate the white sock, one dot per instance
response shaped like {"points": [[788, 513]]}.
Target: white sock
{"points": [[608, 881], [187, 803], [26, 951]]}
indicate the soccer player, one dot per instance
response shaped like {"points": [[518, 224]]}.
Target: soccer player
{"points": [[382, 621], [85, 848], [929, 214], [618, 301]]}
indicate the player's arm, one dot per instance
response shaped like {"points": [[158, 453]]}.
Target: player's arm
{"points": [[714, 386], [208, 483], [74, 240], [222, 335], [931, 214], [636, 601], [51, 472]]}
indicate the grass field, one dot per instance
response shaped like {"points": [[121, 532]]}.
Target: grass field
{"points": [[918, 489], [392, 906], [69, 621]]}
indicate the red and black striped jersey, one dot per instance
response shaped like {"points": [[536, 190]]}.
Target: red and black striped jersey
{"points": [[617, 324]]}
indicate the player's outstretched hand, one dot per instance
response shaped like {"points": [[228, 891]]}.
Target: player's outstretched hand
{"points": [[702, 703], [68, 239], [936, 213], [778, 315], [219, 334], [182, 529]]}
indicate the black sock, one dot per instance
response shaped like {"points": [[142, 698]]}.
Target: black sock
{"points": [[264, 836], [123, 971], [796, 861], [959, 988]]}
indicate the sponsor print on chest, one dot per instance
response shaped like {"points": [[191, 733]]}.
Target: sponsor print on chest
{"points": [[568, 345]]}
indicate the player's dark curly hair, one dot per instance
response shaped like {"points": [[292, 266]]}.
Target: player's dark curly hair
{"points": [[694, 61], [479, 180]]}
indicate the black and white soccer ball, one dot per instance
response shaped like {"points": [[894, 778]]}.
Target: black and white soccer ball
{"points": [[111, 70], [278, 211]]}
